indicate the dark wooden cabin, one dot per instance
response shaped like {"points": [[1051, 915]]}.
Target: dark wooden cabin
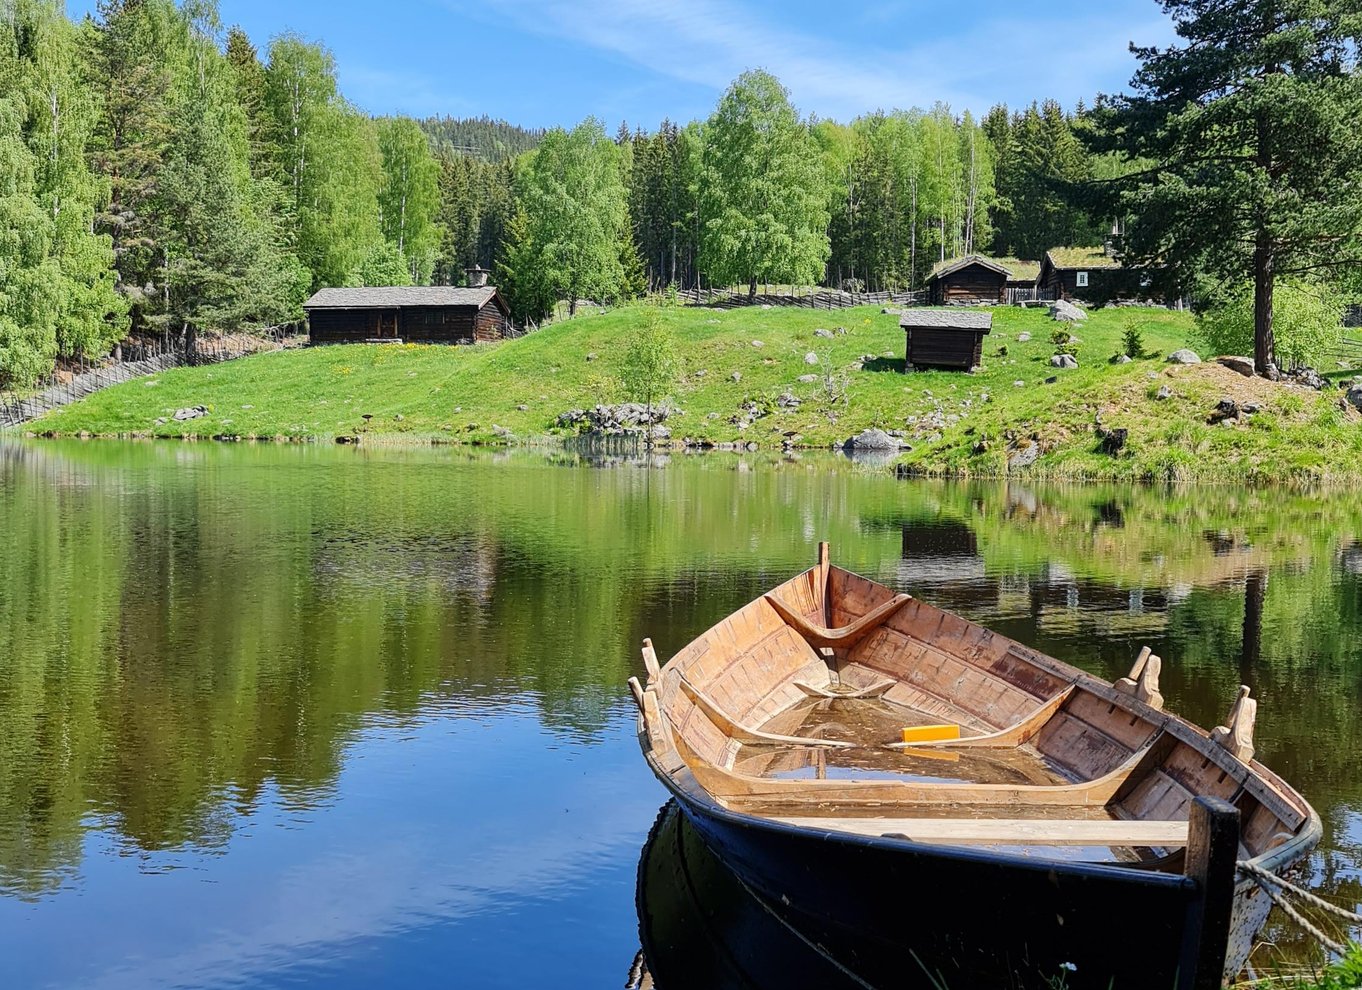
{"points": [[1092, 274], [972, 280], [944, 338], [433, 314]]}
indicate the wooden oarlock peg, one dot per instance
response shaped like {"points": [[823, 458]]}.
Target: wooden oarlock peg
{"points": [[1236, 734], [1143, 681]]}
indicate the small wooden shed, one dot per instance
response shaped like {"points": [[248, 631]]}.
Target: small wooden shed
{"points": [[944, 338], [973, 280], [439, 314]]}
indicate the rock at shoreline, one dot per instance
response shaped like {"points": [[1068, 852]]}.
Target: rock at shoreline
{"points": [[627, 417], [1183, 356], [871, 439], [1067, 312], [193, 412], [1023, 456], [1067, 361], [1242, 365]]}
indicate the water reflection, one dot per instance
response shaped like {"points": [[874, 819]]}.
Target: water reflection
{"points": [[203, 648]]}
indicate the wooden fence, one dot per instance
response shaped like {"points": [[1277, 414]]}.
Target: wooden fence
{"points": [[810, 298], [130, 360], [1030, 293]]}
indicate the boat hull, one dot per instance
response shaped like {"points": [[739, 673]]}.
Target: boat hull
{"points": [[902, 914]]}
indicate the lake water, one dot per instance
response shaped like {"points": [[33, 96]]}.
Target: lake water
{"points": [[307, 716]]}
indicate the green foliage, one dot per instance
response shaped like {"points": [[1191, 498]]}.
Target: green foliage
{"points": [[1064, 341], [1040, 160], [1253, 162], [763, 193], [1307, 321], [328, 156], [474, 216], [649, 366], [1132, 341], [384, 265], [480, 138], [409, 195], [566, 241]]}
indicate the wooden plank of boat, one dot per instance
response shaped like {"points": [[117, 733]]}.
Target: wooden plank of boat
{"points": [[736, 730], [1007, 831], [842, 637]]}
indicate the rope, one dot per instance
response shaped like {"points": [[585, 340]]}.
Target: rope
{"points": [[761, 902], [1276, 888]]}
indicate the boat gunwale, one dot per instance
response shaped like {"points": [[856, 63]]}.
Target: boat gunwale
{"points": [[1265, 782]]}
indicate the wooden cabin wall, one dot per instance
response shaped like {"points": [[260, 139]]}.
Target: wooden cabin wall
{"points": [[974, 284], [929, 347], [432, 324]]}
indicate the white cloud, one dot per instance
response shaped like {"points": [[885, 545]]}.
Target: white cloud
{"points": [[708, 43]]}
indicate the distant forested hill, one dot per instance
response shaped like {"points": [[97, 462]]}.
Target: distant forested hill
{"points": [[481, 137]]}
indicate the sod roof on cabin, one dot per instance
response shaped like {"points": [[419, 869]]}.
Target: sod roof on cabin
{"points": [[1018, 271], [399, 296], [1081, 257]]}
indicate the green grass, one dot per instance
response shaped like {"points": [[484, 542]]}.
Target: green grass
{"points": [[474, 394]]}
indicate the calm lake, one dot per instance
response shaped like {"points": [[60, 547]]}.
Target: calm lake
{"points": [[310, 716]]}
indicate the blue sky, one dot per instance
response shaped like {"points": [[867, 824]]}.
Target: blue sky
{"points": [[553, 62]]}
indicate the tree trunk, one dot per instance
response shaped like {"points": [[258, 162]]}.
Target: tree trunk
{"points": [[1264, 347], [572, 307], [752, 290], [1255, 593]]}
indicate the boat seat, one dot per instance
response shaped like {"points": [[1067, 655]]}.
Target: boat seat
{"points": [[1008, 831]]}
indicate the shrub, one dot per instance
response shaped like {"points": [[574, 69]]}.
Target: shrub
{"points": [[649, 365], [1307, 323], [1064, 341]]}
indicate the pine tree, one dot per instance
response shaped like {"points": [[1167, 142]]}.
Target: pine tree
{"points": [[1249, 129]]}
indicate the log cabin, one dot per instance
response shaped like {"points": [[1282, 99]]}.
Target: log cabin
{"points": [[1091, 274], [944, 339], [438, 314], [971, 280]]}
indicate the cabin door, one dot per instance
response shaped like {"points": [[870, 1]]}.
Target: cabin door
{"points": [[387, 323]]}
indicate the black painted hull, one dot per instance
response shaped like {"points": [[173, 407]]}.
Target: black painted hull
{"points": [[891, 913]]}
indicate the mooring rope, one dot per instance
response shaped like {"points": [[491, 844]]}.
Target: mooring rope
{"points": [[1277, 889]]}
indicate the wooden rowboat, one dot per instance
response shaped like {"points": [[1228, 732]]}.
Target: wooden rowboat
{"points": [[928, 803]]}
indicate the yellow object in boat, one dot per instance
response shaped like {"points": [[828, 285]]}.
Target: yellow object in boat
{"points": [[930, 733]]}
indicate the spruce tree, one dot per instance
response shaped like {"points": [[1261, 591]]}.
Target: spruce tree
{"points": [[1249, 129]]}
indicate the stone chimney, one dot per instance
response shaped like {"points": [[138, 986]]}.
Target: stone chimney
{"points": [[477, 276]]}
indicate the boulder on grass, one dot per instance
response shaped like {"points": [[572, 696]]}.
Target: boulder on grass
{"points": [[871, 439], [1064, 361], [1354, 397], [1243, 365], [1066, 312], [1184, 356]]}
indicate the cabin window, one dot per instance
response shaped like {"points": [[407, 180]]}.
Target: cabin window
{"points": [[1082, 280], [433, 317]]}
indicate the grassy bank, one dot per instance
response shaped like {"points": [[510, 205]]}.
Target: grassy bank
{"points": [[735, 367]]}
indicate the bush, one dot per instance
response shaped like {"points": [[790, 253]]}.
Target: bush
{"points": [[1064, 341], [1307, 323]]}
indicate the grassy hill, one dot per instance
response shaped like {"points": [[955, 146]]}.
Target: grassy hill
{"points": [[955, 423]]}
